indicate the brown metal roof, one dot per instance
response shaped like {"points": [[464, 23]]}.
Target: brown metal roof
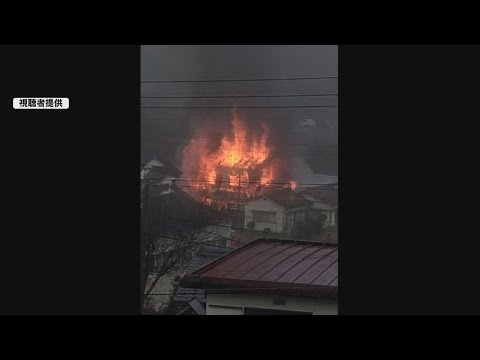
{"points": [[274, 264]]}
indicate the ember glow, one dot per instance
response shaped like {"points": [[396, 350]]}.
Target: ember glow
{"points": [[239, 163]]}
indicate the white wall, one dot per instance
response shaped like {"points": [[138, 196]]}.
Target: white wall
{"points": [[330, 218], [233, 304], [262, 204]]}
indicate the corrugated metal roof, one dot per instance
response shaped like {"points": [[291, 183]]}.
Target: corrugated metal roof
{"points": [[273, 263]]}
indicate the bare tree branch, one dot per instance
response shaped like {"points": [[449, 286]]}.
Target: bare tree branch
{"points": [[166, 245]]}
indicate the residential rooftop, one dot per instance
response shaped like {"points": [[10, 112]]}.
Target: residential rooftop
{"points": [[287, 198], [265, 265], [324, 194]]}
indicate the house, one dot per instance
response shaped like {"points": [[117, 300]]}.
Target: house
{"points": [[165, 197], [271, 277], [324, 200], [276, 211], [159, 170], [307, 214]]}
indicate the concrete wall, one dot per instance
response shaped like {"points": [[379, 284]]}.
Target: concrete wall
{"points": [[233, 304], [262, 204]]}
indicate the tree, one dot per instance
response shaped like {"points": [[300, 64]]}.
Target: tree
{"points": [[309, 226], [167, 242], [171, 308]]}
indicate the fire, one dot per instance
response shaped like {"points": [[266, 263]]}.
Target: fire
{"points": [[238, 163]]}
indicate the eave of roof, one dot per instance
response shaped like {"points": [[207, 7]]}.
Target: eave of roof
{"points": [[315, 254], [240, 286]]}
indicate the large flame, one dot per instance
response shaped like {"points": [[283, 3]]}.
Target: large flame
{"points": [[238, 163]]}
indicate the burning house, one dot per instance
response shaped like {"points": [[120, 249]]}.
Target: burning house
{"points": [[248, 130], [229, 167], [231, 162], [226, 168]]}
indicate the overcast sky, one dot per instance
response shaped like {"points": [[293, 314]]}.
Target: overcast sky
{"points": [[203, 62], [237, 61]]}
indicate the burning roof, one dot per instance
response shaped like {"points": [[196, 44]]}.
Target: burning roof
{"points": [[236, 160]]}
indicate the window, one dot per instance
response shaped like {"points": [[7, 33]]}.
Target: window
{"points": [[278, 300], [263, 216], [300, 216]]}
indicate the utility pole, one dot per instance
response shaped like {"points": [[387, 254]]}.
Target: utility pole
{"points": [[238, 199]]}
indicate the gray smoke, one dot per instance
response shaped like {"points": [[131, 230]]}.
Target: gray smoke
{"points": [[164, 131]]}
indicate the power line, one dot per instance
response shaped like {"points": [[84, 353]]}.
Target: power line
{"points": [[302, 187], [205, 182], [161, 236], [192, 241], [249, 182], [203, 179], [200, 179], [223, 226], [235, 96], [231, 150], [233, 228], [193, 186], [239, 107], [270, 142], [215, 225], [238, 80], [222, 122], [221, 236]]}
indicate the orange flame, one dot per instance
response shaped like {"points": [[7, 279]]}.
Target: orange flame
{"points": [[238, 164]]}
